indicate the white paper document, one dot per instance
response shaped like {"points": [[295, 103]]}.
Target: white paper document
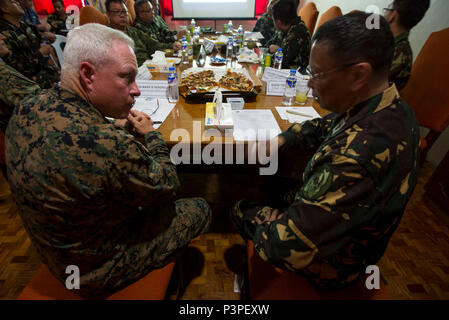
{"points": [[153, 88], [297, 114], [253, 35], [254, 125], [157, 109]]}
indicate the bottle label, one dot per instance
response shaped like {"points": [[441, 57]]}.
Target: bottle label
{"points": [[278, 58], [291, 83]]}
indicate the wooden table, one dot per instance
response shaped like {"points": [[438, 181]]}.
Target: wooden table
{"points": [[185, 114]]}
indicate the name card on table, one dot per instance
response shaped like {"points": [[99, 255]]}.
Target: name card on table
{"points": [[275, 88], [153, 88], [271, 74]]}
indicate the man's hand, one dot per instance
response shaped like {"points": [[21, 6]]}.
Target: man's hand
{"points": [[51, 37], [274, 48], [44, 26], [270, 217], [139, 123], [45, 49], [176, 46]]}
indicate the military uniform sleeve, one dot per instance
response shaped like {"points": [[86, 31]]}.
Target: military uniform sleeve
{"points": [[276, 39], [401, 66], [333, 201], [309, 133], [141, 175], [297, 48]]}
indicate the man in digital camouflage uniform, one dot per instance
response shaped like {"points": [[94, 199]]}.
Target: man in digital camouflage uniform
{"points": [[162, 26], [145, 44], [57, 20], [265, 24], [145, 21], [357, 184], [292, 36], [14, 86], [88, 192], [403, 15], [26, 54]]}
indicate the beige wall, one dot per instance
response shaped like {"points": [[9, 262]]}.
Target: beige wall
{"points": [[436, 18]]}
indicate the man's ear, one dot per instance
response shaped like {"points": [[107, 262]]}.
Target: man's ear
{"points": [[361, 73], [87, 75]]}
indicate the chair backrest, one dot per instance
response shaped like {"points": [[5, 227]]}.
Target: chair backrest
{"points": [[89, 14], [309, 14], [59, 45], [131, 13], [427, 89], [329, 14]]}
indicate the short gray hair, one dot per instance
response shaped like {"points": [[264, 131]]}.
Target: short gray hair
{"points": [[90, 42]]}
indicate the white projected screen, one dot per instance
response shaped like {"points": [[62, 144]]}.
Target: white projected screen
{"points": [[213, 9]]}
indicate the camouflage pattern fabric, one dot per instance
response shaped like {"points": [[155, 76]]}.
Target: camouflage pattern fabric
{"points": [[13, 88], [151, 29], [145, 45], [57, 23], [402, 61], [265, 26], [355, 190], [89, 194], [23, 43], [163, 28], [31, 16], [295, 44]]}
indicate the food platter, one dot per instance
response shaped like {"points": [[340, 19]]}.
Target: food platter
{"points": [[200, 84]]}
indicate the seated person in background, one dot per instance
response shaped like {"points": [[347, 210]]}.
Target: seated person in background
{"points": [[162, 26], [27, 52], [144, 22], [145, 44], [356, 186], [265, 24], [13, 87], [58, 18], [31, 16], [88, 192], [403, 15], [293, 36]]}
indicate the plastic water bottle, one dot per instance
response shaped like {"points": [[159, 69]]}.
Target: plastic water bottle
{"points": [[196, 35], [235, 44], [241, 36], [278, 59], [184, 51], [290, 89], [192, 26], [173, 92], [230, 26], [229, 50], [190, 51]]}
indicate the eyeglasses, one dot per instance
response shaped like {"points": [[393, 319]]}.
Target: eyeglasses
{"points": [[146, 11], [385, 10], [316, 75], [119, 12]]}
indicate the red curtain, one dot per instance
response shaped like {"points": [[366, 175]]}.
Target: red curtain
{"points": [[45, 7], [167, 9]]}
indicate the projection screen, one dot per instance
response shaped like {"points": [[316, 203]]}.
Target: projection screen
{"points": [[213, 9]]}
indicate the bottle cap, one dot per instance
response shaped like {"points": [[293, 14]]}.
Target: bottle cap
{"points": [[171, 68], [280, 50], [292, 71]]}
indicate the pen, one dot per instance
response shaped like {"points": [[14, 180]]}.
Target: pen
{"points": [[299, 113], [157, 122]]}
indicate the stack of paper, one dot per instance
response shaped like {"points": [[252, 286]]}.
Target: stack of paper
{"points": [[254, 125], [157, 109]]}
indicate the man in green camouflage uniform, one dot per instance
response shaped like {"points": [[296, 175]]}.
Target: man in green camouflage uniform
{"points": [[145, 44], [162, 26], [265, 24], [58, 19], [403, 15], [292, 36], [145, 21], [26, 53], [357, 184], [14, 86], [88, 192]]}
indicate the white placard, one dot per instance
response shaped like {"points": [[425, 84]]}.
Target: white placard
{"points": [[297, 114], [153, 88], [253, 35], [275, 88]]}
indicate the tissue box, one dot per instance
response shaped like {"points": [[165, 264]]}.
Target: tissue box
{"points": [[156, 67], [236, 103], [225, 123]]}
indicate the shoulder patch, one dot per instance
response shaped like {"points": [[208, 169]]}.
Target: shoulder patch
{"points": [[318, 184]]}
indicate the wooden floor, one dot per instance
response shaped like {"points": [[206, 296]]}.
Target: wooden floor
{"points": [[416, 264]]}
